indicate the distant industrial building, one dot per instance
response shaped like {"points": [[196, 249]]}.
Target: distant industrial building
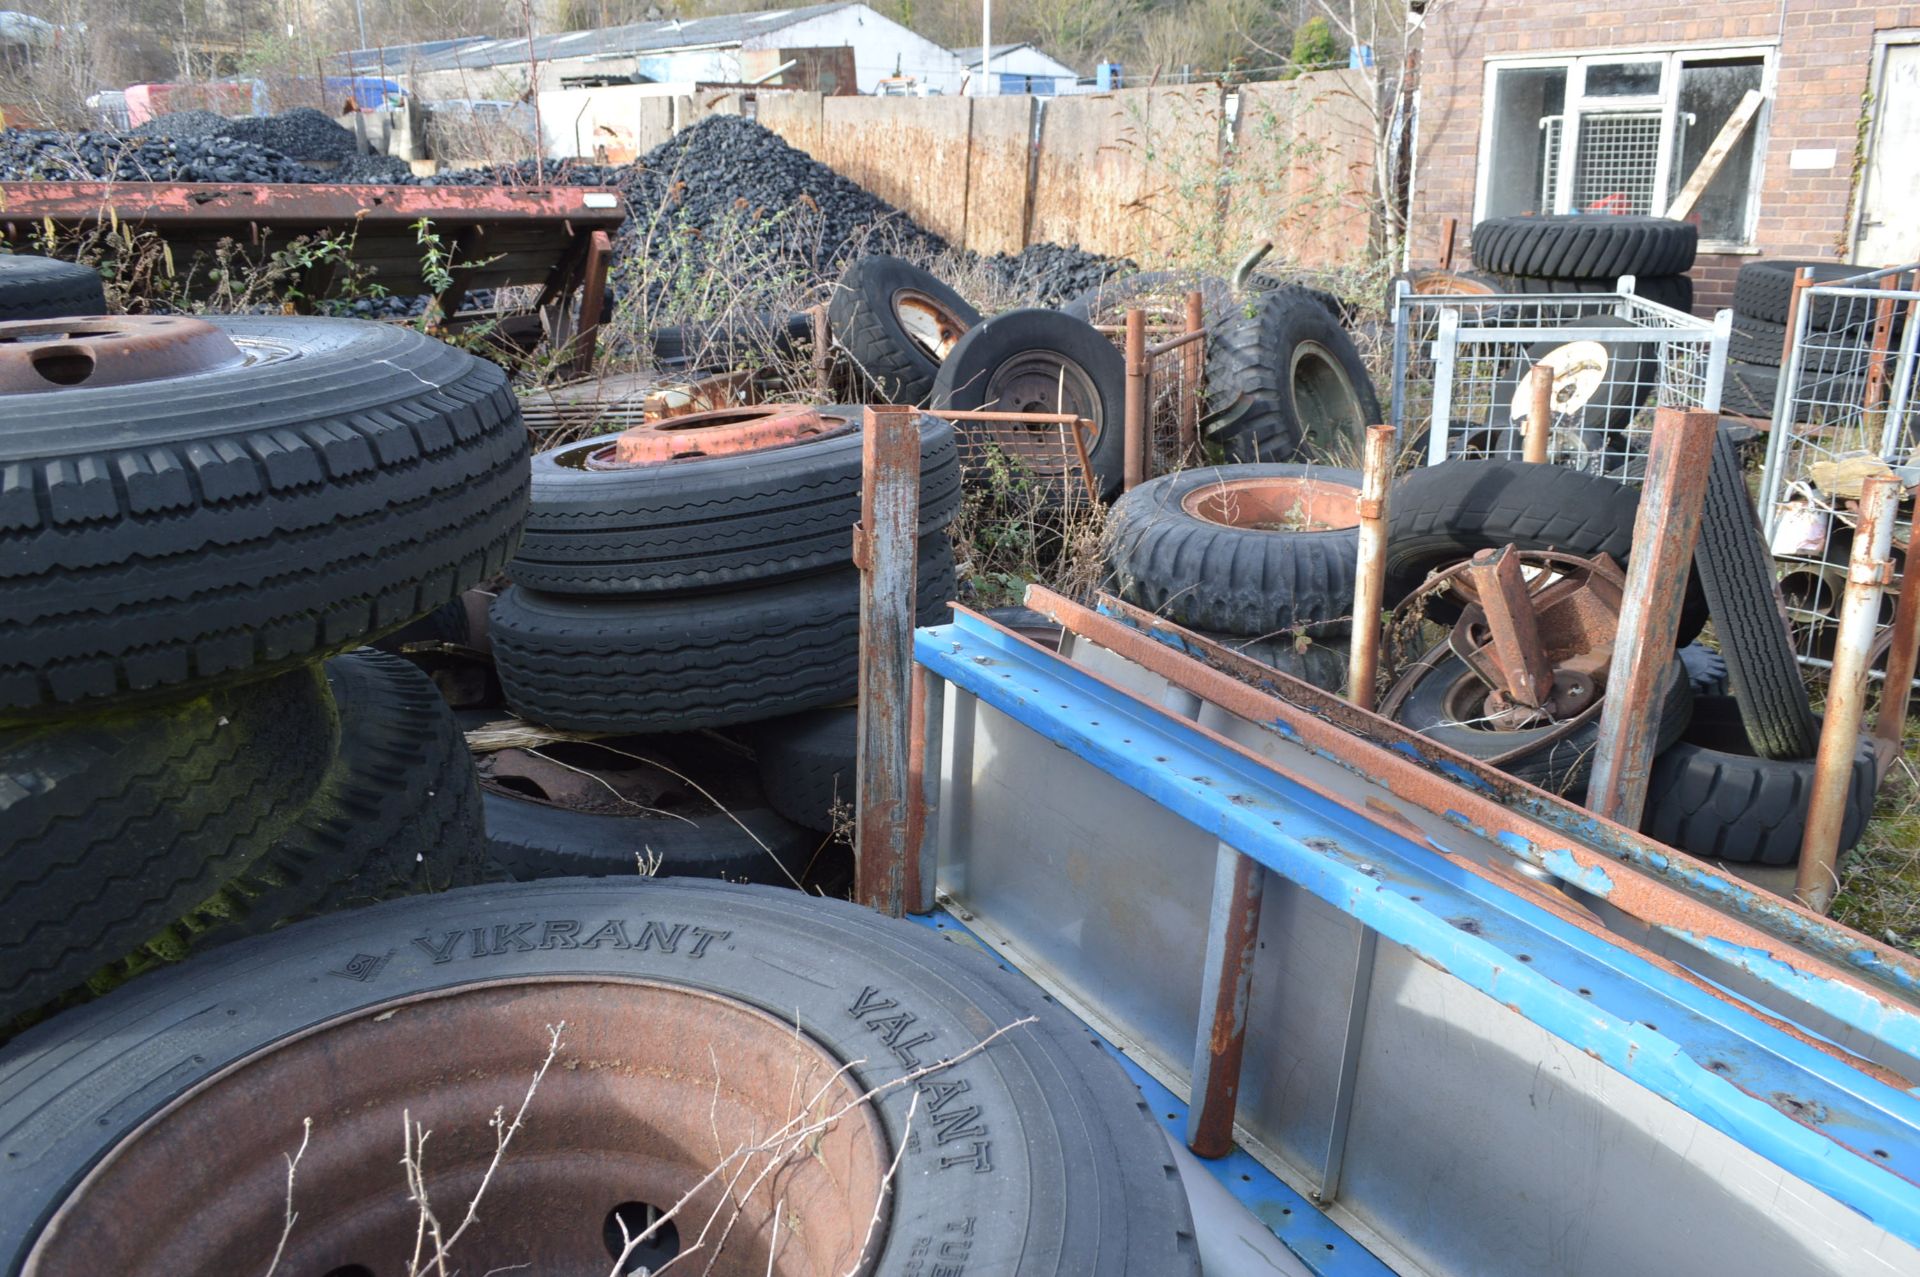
{"points": [[1021, 68]]}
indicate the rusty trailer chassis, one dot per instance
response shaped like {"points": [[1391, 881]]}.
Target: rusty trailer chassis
{"points": [[1483, 1030], [556, 238]]}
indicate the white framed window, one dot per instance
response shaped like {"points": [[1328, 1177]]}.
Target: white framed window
{"points": [[1620, 132]]}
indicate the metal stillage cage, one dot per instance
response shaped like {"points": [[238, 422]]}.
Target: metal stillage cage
{"points": [[1465, 379], [1843, 410]]}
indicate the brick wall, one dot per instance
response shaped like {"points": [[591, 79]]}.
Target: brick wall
{"points": [[1823, 59]]}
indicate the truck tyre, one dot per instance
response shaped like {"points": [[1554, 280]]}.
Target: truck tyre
{"points": [[113, 826], [1321, 662], [1039, 360], [704, 818], [1251, 550], [1711, 796], [1440, 515], [741, 342], [807, 764], [1763, 290], [1584, 246], [1157, 290], [1029, 1153], [897, 324], [1436, 710], [1737, 576], [1756, 341], [1675, 291], [45, 288], [1598, 389], [678, 664], [710, 522], [311, 484], [1285, 380]]}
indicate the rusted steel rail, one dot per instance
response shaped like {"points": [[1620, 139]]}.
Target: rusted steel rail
{"points": [[558, 238]]}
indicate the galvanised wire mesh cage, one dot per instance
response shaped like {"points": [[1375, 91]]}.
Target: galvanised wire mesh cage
{"points": [[1463, 373], [1844, 408]]}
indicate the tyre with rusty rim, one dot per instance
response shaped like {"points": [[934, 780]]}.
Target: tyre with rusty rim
{"points": [[45, 288], [712, 500], [676, 806], [897, 324], [1437, 283], [1285, 381], [1253, 550], [188, 502], [149, 1132], [1041, 361], [642, 664]]}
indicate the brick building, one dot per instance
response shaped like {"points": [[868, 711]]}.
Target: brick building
{"points": [[1608, 105]]}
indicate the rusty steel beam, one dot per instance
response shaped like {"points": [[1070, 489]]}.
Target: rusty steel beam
{"points": [[1138, 438], [1220, 1040], [1539, 416], [1194, 360], [1370, 575], [1512, 625], [593, 298], [1664, 532], [885, 551], [1868, 572], [822, 352], [214, 205], [1902, 652]]}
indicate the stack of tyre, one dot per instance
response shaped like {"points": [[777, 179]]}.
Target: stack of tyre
{"points": [[199, 522], [1588, 253], [692, 576], [1762, 296]]}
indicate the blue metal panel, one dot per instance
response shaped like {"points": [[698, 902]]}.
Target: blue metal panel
{"points": [[1832, 1126], [1319, 1243]]}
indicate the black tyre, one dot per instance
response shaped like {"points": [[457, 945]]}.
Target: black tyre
{"points": [[603, 808], [897, 324], [1756, 341], [1251, 550], [172, 534], [807, 764], [745, 342], [1321, 662], [712, 660], [1710, 796], [1043, 361], [1440, 515], [711, 522], [1584, 246], [1748, 390], [44, 288], [1763, 290], [1284, 380], [1448, 703], [112, 827], [1675, 291], [1031, 1153], [1598, 386], [1162, 292], [1737, 575]]}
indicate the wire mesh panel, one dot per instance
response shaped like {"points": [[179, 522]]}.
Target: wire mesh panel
{"points": [[1046, 461], [1464, 373], [1845, 410], [1618, 158]]}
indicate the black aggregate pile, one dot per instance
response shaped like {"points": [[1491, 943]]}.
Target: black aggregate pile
{"points": [[370, 170], [28, 156], [1054, 273], [302, 133]]}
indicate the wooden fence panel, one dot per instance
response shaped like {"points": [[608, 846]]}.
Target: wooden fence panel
{"points": [[1301, 170], [795, 116], [911, 152], [1133, 173], [999, 174]]}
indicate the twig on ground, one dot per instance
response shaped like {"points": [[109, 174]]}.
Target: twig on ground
{"points": [[293, 1164]]}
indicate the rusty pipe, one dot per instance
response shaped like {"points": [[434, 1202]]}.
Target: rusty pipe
{"points": [[1138, 437], [1902, 652], [1539, 416], [1868, 572], [1192, 358], [1370, 577]]}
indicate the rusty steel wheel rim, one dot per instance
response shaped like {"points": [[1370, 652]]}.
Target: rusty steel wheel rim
{"points": [[933, 327], [1324, 399], [721, 432], [120, 350], [1275, 505], [1447, 283], [654, 1086]]}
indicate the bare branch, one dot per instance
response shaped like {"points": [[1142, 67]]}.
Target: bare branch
{"points": [[293, 1164]]}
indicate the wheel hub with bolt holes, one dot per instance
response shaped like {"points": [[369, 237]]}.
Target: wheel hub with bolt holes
{"points": [[1276, 505], [1042, 381], [1324, 398], [654, 1086], [720, 433], [122, 350], [933, 327]]}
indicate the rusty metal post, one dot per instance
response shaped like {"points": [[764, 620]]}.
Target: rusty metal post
{"points": [[1539, 416], [1139, 438], [593, 300], [1193, 369], [1664, 533], [884, 548], [1868, 572], [1882, 339], [926, 725], [1902, 651], [1802, 281], [1220, 1038], [1370, 578], [822, 353], [1449, 231]]}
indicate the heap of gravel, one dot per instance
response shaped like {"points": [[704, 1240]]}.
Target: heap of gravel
{"points": [[1054, 273], [29, 156], [302, 133]]}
